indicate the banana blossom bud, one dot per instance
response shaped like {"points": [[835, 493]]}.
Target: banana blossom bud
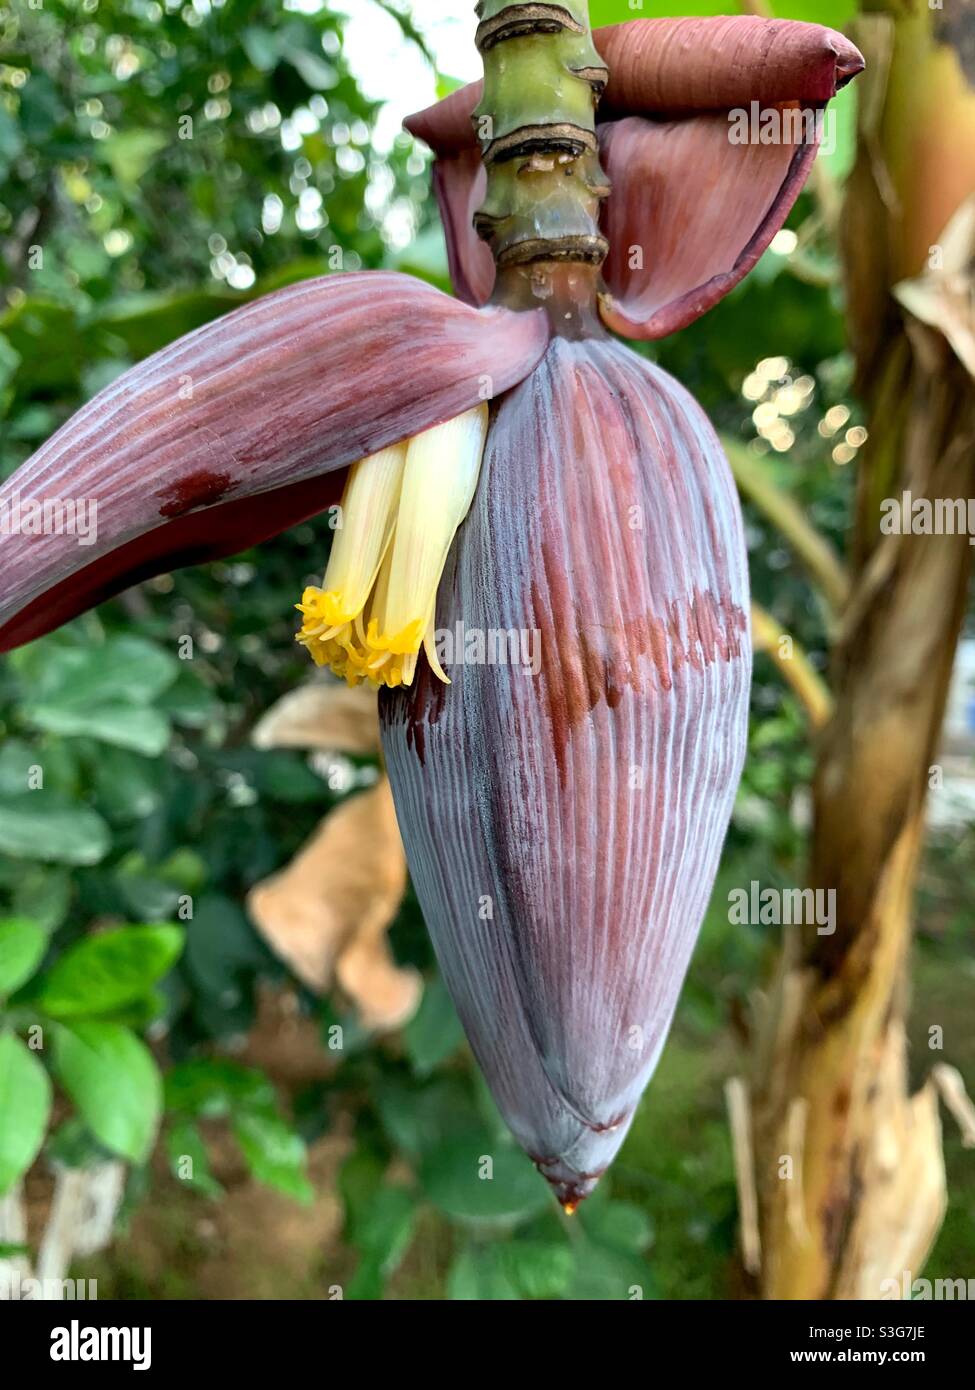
{"points": [[563, 817]]}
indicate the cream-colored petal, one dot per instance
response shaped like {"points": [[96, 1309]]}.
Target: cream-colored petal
{"points": [[368, 513], [439, 480], [401, 511]]}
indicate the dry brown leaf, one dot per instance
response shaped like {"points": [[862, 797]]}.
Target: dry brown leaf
{"points": [[385, 996], [323, 714], [944, 298], [329, 910]]}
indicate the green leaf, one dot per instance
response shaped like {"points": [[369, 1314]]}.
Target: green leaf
{"points": [[188, 1158], [275, 1154], [134, 727], [110, 970], [286, 776], [215, 1086], [11, 144], [145, 896], [261, 47], [538, 1269], [34, 423], [112, 1078], [602, 12], [72, 1144], [360, 1182], [103, 692], [42, 893], [19, 762], [622, 1225], [383, 1237], [25, 1104], [9, 360], [313, 70], [606, 1274], [478, 1275], [22, 947], [185, 870], [27, 767], [447, 84], [475, 1179], [37, 825], [189, 702], [419, 1118], [833, 13], [130, 152], [222, 952], [506, 1272], [45, 337], [128, 786], [434, 1031], [127, 670]]}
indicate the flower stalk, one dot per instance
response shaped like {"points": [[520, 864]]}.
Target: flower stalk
{"points": [[536, 125]]}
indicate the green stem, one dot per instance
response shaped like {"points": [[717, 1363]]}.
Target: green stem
{"points": [[537, 127]]}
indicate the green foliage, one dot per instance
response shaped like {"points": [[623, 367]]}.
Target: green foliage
{"points": [[472, 1179], [101, 974], [25, 1103], [22, 947], [112, 1078], [47, 828], [434, 1032], [506, 1273], [218, 1089], [104, 984], [105, 692], [274, 1153], [382, 1237]]}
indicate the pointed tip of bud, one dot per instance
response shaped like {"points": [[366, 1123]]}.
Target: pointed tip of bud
{"points": [[571, 1189]]}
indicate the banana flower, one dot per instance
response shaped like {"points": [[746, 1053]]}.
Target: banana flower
{"points": [[510, 475]]}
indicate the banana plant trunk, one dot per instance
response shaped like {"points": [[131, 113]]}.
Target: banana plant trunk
{"points": [[848, 1161]]}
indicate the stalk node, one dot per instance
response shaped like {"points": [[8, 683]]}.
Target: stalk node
{"points": [[536, 124]]}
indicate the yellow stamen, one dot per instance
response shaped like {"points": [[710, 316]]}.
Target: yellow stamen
{"points": [[400, 512]]}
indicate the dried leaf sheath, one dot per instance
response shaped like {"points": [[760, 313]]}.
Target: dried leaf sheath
{"points": [[563, 829]]}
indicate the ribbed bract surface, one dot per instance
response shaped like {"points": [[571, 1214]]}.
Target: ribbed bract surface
{"points": [[564, 826]]}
